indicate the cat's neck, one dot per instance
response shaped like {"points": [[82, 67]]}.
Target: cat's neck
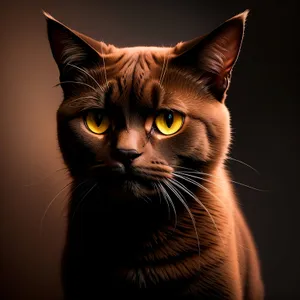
{"points": [[125, 240], [139, 225]]}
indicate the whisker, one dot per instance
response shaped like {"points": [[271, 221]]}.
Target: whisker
{"points": [[162, 70], [172, 204], [146, 199], [69, 81], [158, 192], [50, 204], [166, 199], [181, 199], [85, 72], [180, 167], [73, 189], [180, 185], [194, 171], [229, 158], [201, 186], [104, 66], [87, 97], [81, 201], [166, 68], [98, 165], [207, 180], [47, 177], [243, 163]]}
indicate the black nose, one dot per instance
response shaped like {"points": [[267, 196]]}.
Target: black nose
{"points": [[126, 156]]}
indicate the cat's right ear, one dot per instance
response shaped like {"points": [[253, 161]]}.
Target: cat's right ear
{"points": [[213, 56], [71, 47]]}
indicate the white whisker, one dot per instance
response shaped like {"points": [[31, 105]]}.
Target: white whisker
{"points": [[180, 185], [85, 72], [243, 163], [158, 192], [165, 70], [207, 180], [166, 200], [104, 66], [86, 194], [44, 179], [50, 204], [168, 183], [194, 171], [70, 81], [200, 186], [87, 97], [172, 204], [146, 199], [162, 70]]}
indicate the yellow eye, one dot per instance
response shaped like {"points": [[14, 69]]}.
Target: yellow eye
{"points": [[169, 122], [97, 122]]}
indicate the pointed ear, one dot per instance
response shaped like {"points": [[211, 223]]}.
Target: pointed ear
{"points": [[213, 56], [71, 47]]}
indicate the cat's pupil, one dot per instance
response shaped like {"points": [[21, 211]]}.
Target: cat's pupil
{"points": [[98, 119], [169, 119]]}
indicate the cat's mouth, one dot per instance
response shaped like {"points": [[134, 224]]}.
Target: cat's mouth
{"points": [[140, 178], [137, 181]]}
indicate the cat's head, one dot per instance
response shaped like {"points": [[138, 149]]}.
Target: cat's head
{"points": [[132, 116]]}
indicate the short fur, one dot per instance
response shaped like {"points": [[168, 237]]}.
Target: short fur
{"points": [[121, 237]]}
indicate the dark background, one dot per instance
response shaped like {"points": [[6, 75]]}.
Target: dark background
{"points": [[263, 101]]}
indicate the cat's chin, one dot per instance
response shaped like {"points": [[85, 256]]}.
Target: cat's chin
{"points": [[125, 182], [131, 189]]}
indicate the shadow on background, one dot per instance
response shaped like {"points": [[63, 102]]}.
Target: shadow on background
{"points": [[263, 101]]}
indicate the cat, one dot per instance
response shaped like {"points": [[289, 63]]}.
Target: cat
{"points": [[145, 134]]}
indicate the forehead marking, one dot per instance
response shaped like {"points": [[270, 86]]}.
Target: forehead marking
{"points": [[134, 82]]}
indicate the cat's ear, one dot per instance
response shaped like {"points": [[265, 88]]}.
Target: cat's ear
{"points": [[71, 47], [213, 56]]}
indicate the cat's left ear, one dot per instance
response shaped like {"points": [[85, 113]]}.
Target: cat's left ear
{"points": [[71, 47], [213, 56]]}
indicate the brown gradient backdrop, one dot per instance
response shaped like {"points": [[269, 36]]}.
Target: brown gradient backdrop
{"points": [[263, 100]]}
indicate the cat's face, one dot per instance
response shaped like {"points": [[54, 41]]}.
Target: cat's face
{"points": [[132, 116]]}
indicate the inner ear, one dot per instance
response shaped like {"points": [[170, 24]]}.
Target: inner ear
{"points": [[213, 56], [71, 47], [78, 57]]}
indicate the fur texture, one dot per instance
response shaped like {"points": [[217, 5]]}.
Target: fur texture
{"points": [[132, 185]]}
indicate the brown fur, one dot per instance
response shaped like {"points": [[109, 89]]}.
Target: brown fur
{"points": [[130, 245]]}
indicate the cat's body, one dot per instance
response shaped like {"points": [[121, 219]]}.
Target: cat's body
{"points": [[121, 255], [152, 213]]}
